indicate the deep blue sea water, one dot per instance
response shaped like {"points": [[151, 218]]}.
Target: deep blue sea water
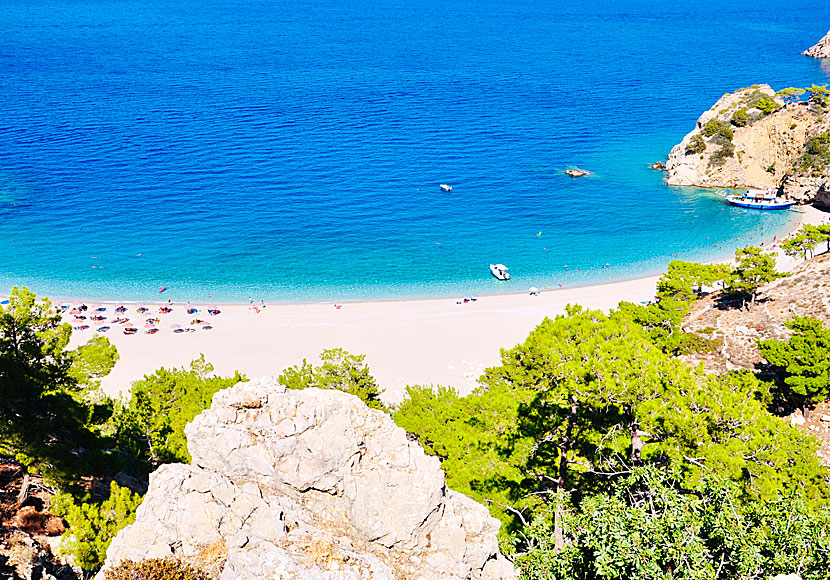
{"points": [[292, 150]]}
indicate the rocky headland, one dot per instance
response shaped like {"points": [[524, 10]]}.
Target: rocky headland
{"points": [[821, 49], [310, 485], [757, 138]]}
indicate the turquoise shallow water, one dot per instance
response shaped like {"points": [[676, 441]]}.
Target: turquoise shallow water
{"points": [[293, 150]]}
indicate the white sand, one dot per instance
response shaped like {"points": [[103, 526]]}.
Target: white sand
{"points": [[405, 342]]}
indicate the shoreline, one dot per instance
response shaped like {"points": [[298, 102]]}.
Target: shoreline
{"points": [[440, 341]]}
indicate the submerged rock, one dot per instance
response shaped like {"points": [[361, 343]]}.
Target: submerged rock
{"points": [[310, 484], [821, 49]]}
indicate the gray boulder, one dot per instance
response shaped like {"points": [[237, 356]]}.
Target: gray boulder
{"points": [[309, 484]]}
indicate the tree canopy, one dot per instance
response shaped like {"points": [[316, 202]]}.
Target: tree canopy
{"points": [[341, 371], [46, 421], [804, 359]]}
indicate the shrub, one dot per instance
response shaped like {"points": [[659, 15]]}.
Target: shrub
{"points": [[719, 129], [154, 569], [765, 104], [692, 343], [816, 152], [740, 118], [93, 526], [720, 156], [696, 145]]}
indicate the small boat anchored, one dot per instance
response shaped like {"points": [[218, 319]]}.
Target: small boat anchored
{"points": [[500, 271], [756, 199], [446, 187]]}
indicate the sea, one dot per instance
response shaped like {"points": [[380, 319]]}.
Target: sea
{"points": [[292, 150]]}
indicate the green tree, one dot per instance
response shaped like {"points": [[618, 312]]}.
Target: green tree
{"points": [[818, 94], [798, 245], [93, 361], [752, 268], [804, 359], [92, 526], [45, 421], [150, 427], [650, 527], [790, 94], [696, 145], [677, 290], [340, 371]]}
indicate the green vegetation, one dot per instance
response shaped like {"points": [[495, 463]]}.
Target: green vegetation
{"points": [[46, 420], [607, 458], [149, 429], [604, 455], [93, 526], [719, 129], [155, 569], [819, 95], [816, 153], [740, 118], [696, 145], [648, 528], [719, 157], [804, 241], [804, 360], [676, 292], [765, 104], [790, 94], [340, 371], [753, 267]]}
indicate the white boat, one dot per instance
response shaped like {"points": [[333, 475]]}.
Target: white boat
{"points": [[446, 187], [499, 271], [752, 199]]}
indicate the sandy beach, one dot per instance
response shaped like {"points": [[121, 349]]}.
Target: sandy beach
{"points": [[411, 342]]}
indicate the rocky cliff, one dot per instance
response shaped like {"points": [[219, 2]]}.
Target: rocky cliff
{"points": [[821, 49], [309, 485], [752, 138]]}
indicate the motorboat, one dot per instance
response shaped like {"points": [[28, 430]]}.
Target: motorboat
{"points": [[500, 271], [446, 187], [756, 199]]}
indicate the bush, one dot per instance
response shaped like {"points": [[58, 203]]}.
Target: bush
{"points": [[816, 153], [720, 156], [765, 104], [692, 343], [93, 526], [696, 145], [154, 569], [740, 118], [718, 129]]}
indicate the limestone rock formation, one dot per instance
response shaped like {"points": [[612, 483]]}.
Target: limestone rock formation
{"points": [[821, 49], [763, 151], [310, 485]]}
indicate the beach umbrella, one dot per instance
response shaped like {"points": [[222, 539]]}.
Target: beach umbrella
{"points": [[150, 325], [4, 302], [534, 290], [175, 326]]}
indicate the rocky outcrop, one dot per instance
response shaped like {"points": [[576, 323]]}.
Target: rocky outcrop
{"points": [[754, 148], [821, 49], [310, 485]]}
